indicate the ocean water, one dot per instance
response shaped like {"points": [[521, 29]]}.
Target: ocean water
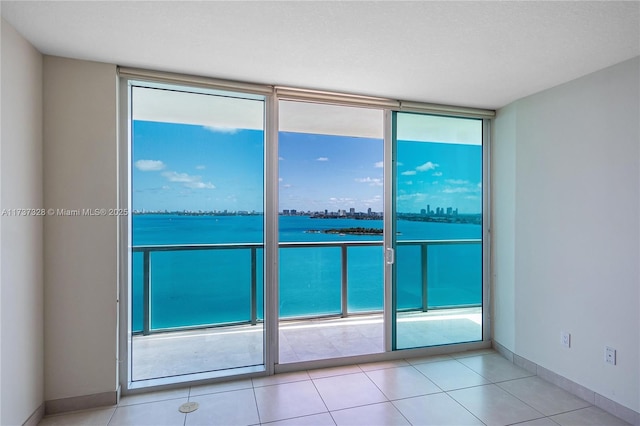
{"points": [[213, 286]]}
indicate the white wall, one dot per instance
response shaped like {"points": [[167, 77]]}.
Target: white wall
{"points": [[80, 253], [575, 229], [503, 207], [21, 386]]}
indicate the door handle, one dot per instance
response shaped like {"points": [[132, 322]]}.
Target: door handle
{"points": [[390, 256]]}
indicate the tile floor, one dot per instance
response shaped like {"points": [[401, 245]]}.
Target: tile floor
{"points": [[472, 388], [170, 354]]}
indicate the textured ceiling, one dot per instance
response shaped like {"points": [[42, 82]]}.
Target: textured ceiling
{"points": [[479, 54]]}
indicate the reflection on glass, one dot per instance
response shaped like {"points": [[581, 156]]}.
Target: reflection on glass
{"points": [[438, 221], [197, 232]]}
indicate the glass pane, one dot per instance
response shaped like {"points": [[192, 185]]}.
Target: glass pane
{"points": [[312, 287], [197, 232], [365, 275], [331, 202], [438, 241]]}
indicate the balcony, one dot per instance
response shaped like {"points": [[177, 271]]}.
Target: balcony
{"points": [[343, 326]]}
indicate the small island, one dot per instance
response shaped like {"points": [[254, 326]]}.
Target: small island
{"points": [[347, 231]]}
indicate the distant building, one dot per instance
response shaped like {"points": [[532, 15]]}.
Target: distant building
{"points": [[423, 212]]}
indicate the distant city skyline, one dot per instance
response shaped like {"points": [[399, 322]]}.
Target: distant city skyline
{"points": [[177, 167]]}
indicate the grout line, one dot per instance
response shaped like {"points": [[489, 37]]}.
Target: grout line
{"points": [[524, 402], [427, 377], [530, 420], [401, 413], [467, 387], [255, 401], [466, 409]]}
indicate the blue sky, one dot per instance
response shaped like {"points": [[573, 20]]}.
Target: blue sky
{"points": [[192, 167]]}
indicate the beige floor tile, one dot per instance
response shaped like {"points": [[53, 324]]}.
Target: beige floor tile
{"points": [[323, 419], [288, 400], [474, 352], [545, 421], [154, 396], [430, 358], [382, 414], [450, 375], [590, 416], [494, 367], [162, 413], [97, 417], [334, 371], [351, 390], [277, 379], [494, 406], [435, 410], [543, 396], [226, 408], [220, 387], [402, 382], [371, 366]]}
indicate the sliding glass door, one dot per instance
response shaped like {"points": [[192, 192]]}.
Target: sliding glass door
{"points": [[436, 230], [197, 226], [337, 227], [330, 231]]}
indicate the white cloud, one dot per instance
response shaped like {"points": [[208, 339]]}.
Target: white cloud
{"points": [[286, 185], [178, 177], [200, 185], [408, 173], [201, 167], [341, 200], [280, 158], [322, 159], [149, 165], [437, 174], [166, 187], [457, 182], [457, 190], [280, 179], [427, 166], [222, 129], [193, 182], [371, 181], [379, 164], [415, 196], [409, 182]]}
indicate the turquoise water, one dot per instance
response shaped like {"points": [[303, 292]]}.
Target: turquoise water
{"points": [[213, 286]]}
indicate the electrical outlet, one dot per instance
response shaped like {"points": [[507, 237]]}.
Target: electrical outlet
{"points": [[609, 355], [565, 339]]}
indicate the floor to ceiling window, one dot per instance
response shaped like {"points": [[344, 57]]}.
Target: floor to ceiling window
{"points": [[437, 279], [330, 226], [273, 228], [197, 198]]}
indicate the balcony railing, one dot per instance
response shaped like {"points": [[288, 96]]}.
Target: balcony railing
{"points": [[254, 247]]}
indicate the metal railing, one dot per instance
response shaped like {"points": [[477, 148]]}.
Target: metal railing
{"points": [[253, 247]]}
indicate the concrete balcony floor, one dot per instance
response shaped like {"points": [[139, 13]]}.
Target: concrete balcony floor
{"points": [[186, 352]]}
